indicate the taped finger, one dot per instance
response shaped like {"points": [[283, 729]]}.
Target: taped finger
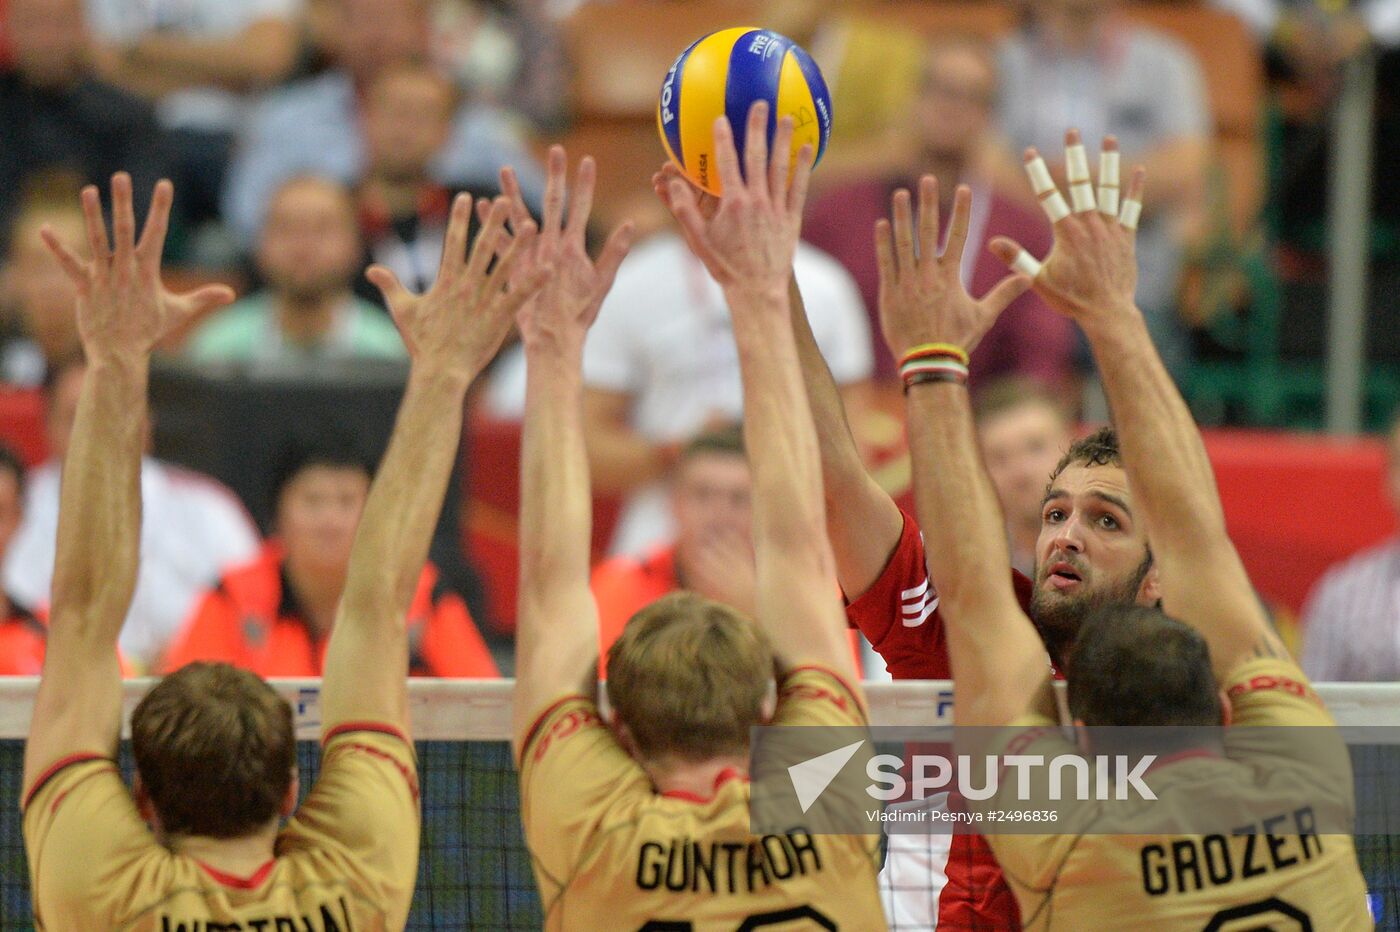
{"points": [[1108, 182], [1051, 200], [1081, 189], [1131, 212], [1026, 264]]}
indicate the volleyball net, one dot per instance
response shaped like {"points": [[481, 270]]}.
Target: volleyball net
{"points": [[474, 871]]}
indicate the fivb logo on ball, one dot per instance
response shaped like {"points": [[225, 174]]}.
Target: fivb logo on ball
{"points": [[723, 74]]}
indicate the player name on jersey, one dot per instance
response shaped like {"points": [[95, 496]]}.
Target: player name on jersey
{"points": [[725, 866], [1185, 865], [329, 918]]}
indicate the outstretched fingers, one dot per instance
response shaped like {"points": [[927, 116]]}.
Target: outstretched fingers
{"points": [[779, 166], [519, 245], [1081, 189], [726, 158], [1108, 177], [454, 242], [610, 259], [487, 238], [552, 216], [383, 278], [1131, 211], [687, 214], [928, 216], [72, 266], [1051, 200], [958, 225], [756, 150], [1005, 291], [801, 178], [96, 226], [152, 244], [904, 249], [884, 251], [581, 205], [123, 222]]}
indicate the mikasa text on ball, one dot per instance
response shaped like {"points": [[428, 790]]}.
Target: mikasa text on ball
{"points": [[723, 74]]}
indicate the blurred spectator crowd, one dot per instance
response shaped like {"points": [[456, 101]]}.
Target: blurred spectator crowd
{"points": [[309, 138]]}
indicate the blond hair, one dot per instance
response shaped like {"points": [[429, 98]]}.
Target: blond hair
{"points": [[688, 678]]}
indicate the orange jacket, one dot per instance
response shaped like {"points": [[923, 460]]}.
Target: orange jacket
{"points": [[22, 637], [252, 620]]}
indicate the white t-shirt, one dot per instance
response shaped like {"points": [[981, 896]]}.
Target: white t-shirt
{"points": [[663, 337], [192, 530], [122, 22]]}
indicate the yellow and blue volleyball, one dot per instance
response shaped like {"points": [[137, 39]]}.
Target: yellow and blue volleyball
{"points": [[724, 74]]}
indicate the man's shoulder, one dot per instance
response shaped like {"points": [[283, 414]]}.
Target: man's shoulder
{"points": [[291, 103], [1366, 568], [233, 325]]}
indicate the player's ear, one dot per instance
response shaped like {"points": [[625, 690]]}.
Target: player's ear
{"points": [[289, 802], [1150, 592], [624, 736], [768, 709], [1227, 709]]}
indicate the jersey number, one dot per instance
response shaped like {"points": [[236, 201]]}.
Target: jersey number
{"points": [[1273, 914], [756, 921]]}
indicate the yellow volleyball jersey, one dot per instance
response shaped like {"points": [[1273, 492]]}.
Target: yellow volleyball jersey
{"points": [[346, 860], [609, 852], [1283, 876]]}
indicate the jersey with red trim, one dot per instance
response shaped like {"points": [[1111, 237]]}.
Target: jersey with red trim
{"points": [[899, 613], [346, 860], [1277, 872], [955, 879], [609, 852]]}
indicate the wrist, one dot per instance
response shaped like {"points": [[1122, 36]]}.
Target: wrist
{"points": [[430, 375], [758, 294], [1113, 322]]}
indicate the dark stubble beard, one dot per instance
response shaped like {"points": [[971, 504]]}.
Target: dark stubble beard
{"points": [[1058, 617]]}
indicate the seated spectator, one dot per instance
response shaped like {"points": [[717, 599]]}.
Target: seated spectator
{"points": [[408, 113], [192, 530], [309, 255], [1079, 63], [660, 366], [316, 125], [1023, 431], [1351, 620], [274, 615], [36, 298], [201, 61], [951, 122], [21, 631], [711, 553], [57, 114]]}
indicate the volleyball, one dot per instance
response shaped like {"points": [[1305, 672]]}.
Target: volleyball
{"points": [[724, 74]]}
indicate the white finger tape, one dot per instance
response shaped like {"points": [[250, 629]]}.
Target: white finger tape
{"points": [[1076, 163], [1128, 216], [1026, 264], [1108, 182], [1055, 207], [1081, 194], [1039, 173]]}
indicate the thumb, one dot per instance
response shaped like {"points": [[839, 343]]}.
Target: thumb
{"points": [[383, 278], [205, 299], [1005, 248], [1005, 291]]}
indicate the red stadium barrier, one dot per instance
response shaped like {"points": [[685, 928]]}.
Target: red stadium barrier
{"points": [[22, 422]]}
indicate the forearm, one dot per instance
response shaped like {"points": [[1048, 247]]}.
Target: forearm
{"points": [[863, 522], [1163, 455], [957, 508], [557, 635], [99, 526], [405, 502]]}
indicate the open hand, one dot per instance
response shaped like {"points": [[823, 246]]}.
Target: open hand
{"points": [[1091, 272], [560, 315], [123, 308], [750, 240], [922, 298], [461, 321]]}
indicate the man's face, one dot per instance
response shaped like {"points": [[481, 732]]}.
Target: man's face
{"points": [[1073, 23], [955, 102], [373, 34], [310, 245], [1091, 551], [37, 285], [407, 117], [317, 514], [1021, 446], [711, 498], [10, 508], [49, 40]]}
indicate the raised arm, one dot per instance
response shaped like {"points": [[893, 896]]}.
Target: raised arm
{"points": [[557, 634], [1090, 275], [998, 660], [863, 523], [451, 332], [123, 313], [748, 246]]}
